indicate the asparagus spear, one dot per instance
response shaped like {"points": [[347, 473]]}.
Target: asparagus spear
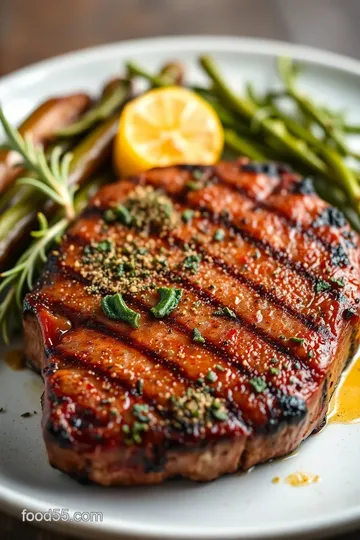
{"points": [[330, 164], [274, 128], [170, 74], [114, 96], [288, 72]]}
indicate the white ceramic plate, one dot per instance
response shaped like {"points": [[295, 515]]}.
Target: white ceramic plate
{"points": [[235, 507]]}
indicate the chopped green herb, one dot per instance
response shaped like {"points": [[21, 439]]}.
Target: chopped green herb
{"points": [[340, 282], [123, 214], [191, 263], [274, 360], [322, 286], [298, 340], [115, 307], [259, 384], [140, 427], [225, 312], [211, 376], [256, 254], [220, 415], [219, 367], [219, 235], [197, 336], [105, 246], [137, 438], [274, 371], [169, 300], [187, 215], [109, 215], [126, 429], [138, 411], [198, 174], [310, 354], [193, 186]]}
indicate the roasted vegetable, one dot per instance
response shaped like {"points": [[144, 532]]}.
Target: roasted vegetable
{"points": [[41, 126]]}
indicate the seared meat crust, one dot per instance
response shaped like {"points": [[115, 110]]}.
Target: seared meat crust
{"points": [[272, 287]]}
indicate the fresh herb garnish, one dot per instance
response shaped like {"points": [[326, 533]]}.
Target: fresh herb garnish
{"points": [[123, 215], [118, 213], [274, 371], [219, 235], [109, 215], [187, 215], [211, 376], [104, 246], [259, 384], [219, 367], [198, 174], [193, 186], [340, 282], [218, 414], [225, 312], [197, 336], [134, 432], [191, 263], [322, 286], [169, 300], [147, 210], [115, 307], [298, 340], [139, 411], [310, 354]]}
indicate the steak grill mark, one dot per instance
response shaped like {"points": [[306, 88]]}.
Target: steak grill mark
{"points": [[266, 247], [282, 400], [218, 351], [210, 300], [310, 232], [230, 270]]}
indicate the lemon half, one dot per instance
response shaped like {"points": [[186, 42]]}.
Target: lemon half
{"points": [[167, 126]]}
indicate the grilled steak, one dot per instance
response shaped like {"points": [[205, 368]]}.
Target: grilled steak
{"points": [[259, 286]]}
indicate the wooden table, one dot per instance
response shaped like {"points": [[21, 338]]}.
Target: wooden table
{"points": [[31, 30]]}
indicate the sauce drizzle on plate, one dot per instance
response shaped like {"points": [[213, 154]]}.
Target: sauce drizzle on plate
{"points": [[300, 479], [344, 407], [15, 359]]}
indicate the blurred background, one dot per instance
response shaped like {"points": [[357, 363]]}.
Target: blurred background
{"points": [[31, 30]]}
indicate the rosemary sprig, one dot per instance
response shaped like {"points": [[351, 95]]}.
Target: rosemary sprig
{"points": [[20, 277], [22, 273], [49, 178]]}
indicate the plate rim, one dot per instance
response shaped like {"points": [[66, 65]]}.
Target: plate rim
{"points": [[10, 501], [222, 43]]}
